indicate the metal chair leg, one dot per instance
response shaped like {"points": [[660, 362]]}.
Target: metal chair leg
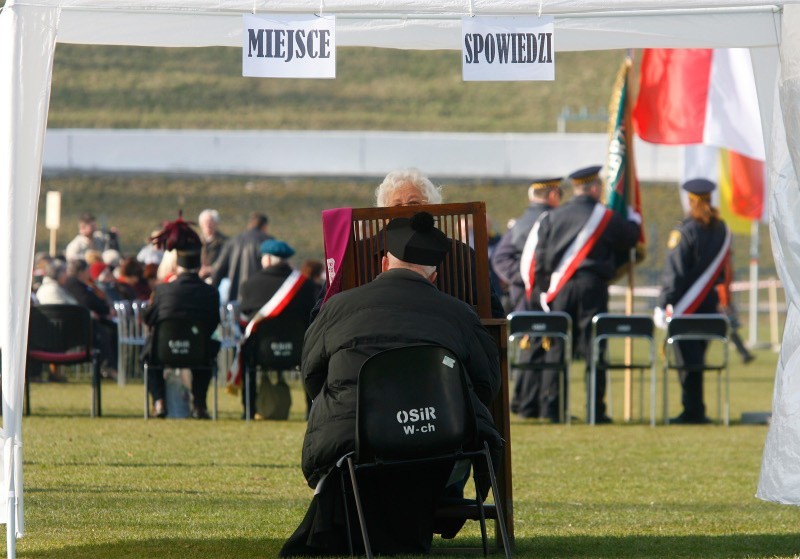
{"points": [[482, 518], [97, 410], [246, 394], [146, 394], [359, 508], [498, 504], [214, 374], [346, 514]]}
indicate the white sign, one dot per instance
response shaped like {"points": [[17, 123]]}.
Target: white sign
{"points": [[289, 46], [507, 49], [52, 218]]}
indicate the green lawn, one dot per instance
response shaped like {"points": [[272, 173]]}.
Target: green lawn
{"points": [[120, 487]]}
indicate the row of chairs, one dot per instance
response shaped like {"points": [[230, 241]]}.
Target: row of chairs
{"points": [[528, 326]]}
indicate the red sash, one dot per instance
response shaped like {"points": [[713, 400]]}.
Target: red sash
{"points": [[577, 251], [272, 308], [698, 291]]}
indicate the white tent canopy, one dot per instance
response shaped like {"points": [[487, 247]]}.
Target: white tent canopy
{"points": [[30, 29]]}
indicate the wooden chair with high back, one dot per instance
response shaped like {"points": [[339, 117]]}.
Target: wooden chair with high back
{"points": [[465, 225]]}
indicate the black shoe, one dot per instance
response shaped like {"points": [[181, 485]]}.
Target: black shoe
{"points": [[200, 413], [684, 419], [747, 357], [603, 420]]}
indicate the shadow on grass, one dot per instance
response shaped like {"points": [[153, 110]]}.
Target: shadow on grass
{"points": [[649, 546], [644, 547], [163, 548]]}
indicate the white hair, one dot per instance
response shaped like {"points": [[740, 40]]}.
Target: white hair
{"points": [[401, 177], [213, 215]]}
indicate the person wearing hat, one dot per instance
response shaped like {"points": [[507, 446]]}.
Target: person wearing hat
{"points": [[517, 272], [574, 263], [262, 286], [698, 251], [189, 297], [400, 307]]}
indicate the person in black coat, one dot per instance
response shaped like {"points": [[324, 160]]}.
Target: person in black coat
{"points": [[543, 194], [583, 291], [698, 251], [262, 286], [188, 297], [400, 307], [240, 257], [104, 330]]}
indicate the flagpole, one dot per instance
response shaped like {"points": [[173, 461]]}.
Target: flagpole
{"points": [[629, 174]]}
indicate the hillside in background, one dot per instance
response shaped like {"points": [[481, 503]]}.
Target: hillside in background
{"points": [[375, 89]]}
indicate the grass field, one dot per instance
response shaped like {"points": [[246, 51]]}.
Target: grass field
{"points": [[120, 487]]}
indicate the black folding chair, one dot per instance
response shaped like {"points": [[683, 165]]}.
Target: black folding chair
{"points": [[180, 343], [62, 334], [529, 326], [414, 408], [699, 327], [607, 326], [276, 345]]}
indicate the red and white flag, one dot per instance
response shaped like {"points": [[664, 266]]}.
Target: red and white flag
{"points": [[699, 96], [706, 99]]}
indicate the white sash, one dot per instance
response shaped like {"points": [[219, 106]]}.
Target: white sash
{"points": [[576, 252], [699, 289], [527, 262], [272, 308]]}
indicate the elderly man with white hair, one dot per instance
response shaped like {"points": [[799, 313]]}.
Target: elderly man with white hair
{"points": [[407, 187], [410, 187]]}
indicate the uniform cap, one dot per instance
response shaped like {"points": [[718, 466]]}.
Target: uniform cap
{"points": [[546, 183], [587, 174], [416, 240], [699, 186], [276, 248]]}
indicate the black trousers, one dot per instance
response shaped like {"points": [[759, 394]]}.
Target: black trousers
{"points": [[526, 401], [690, 353], [583, 296]]}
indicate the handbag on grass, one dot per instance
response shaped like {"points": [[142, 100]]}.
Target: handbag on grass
{"points": [[273, 400]]}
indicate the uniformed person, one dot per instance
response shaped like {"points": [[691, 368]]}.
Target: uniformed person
{"points": [[513, 263], [698, 249], [574, 264], [543, 194]]}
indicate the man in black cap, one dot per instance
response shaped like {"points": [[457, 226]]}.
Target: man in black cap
{"points": [[189, 297], [295, 300], [513, 262], [400, 307], [698, 251], [574, 265]]}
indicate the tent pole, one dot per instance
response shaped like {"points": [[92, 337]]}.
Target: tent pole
{"points": [[11, 524], [753, 302]]}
